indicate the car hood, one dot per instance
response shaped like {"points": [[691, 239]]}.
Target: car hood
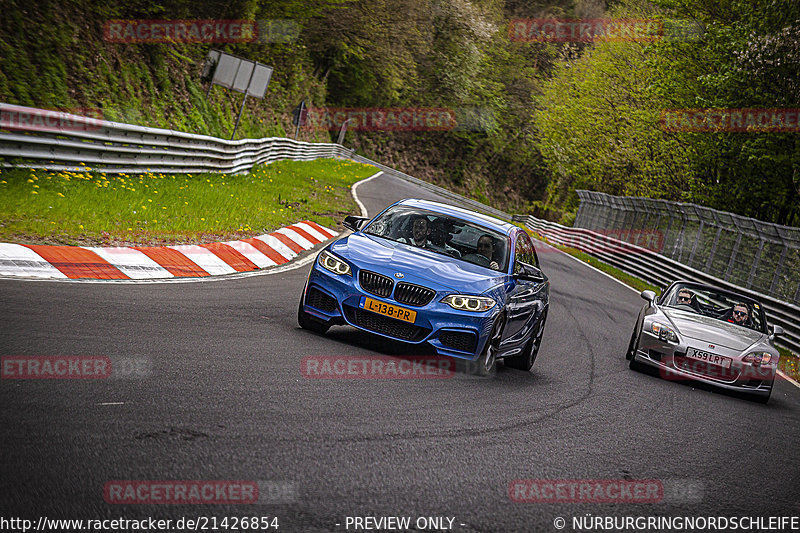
{"points": [[416, 265], [712, 330]]}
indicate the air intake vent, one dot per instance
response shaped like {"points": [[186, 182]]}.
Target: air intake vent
{"points": [[318, 299], [385, 325], [463, 341]]}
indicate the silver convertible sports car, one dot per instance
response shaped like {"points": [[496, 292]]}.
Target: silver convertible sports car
{"points": [[702, 333]]}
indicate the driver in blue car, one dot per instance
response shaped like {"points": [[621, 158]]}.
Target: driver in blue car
{"points": [[420, 230], [486, 249]]}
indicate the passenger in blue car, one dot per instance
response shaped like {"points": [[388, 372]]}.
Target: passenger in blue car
{"points": [[438, 240]]}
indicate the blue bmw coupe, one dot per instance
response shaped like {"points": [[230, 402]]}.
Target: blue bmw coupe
{"points": [[424, 272]]}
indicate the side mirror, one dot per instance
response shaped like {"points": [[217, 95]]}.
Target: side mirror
{"points": [[354, 223], [528, 272], [777, 330], [650, 296]]}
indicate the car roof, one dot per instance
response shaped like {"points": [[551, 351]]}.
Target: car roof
{"points": [[460, 212]]}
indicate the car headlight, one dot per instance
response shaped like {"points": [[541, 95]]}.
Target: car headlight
{"points": [[665, 333], [758, 358], [328, 261], [464, 302]]}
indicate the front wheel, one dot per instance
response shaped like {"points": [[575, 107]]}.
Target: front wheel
{"points": [[486, 364], [308, 322], [632, 345], [762, 399]]}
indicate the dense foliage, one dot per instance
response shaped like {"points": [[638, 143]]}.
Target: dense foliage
{"points": [[546, 118], [599, 123]]}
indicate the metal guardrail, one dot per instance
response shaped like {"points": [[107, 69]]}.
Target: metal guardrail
{"points": [[72, 142], [450, 195], [51, 140], [637, 261], [749, 253], [659, 270]]}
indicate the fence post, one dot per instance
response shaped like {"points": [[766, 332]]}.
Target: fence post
{"points": [[581, 214], [697, 237], [715, 243], [755, 263], [678, 248], [776, 276]]}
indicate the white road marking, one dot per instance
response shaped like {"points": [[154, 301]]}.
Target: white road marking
{"points": [[205, 259], [130, 262], [252, 253], [361, 206], [313, 232], [606, 274], [276, 245], [296, 237], [17, 260]]}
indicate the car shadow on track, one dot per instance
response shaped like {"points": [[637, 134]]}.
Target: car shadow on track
{"points": [[774, 403], [362, 340]]}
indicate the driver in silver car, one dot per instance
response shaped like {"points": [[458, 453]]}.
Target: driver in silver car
{"points": [[687, 297]]}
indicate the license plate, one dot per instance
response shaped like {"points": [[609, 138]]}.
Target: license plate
{"points": [[406, 315], [714, 359]]}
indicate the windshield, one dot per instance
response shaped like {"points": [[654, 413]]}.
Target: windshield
{"points": [[443, 235], [717, 304]]}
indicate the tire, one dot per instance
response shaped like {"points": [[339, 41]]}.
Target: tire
{"points": [[308, 322], [486, 364], [762, 399], [525, 360], [632, 345], [635, 365]]}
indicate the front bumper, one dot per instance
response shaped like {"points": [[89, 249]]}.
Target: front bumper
{"points": [[671, 362], [336, 299]]}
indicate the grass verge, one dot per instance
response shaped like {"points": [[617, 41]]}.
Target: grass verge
{"points": [[94, 208], [789, 362]]}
